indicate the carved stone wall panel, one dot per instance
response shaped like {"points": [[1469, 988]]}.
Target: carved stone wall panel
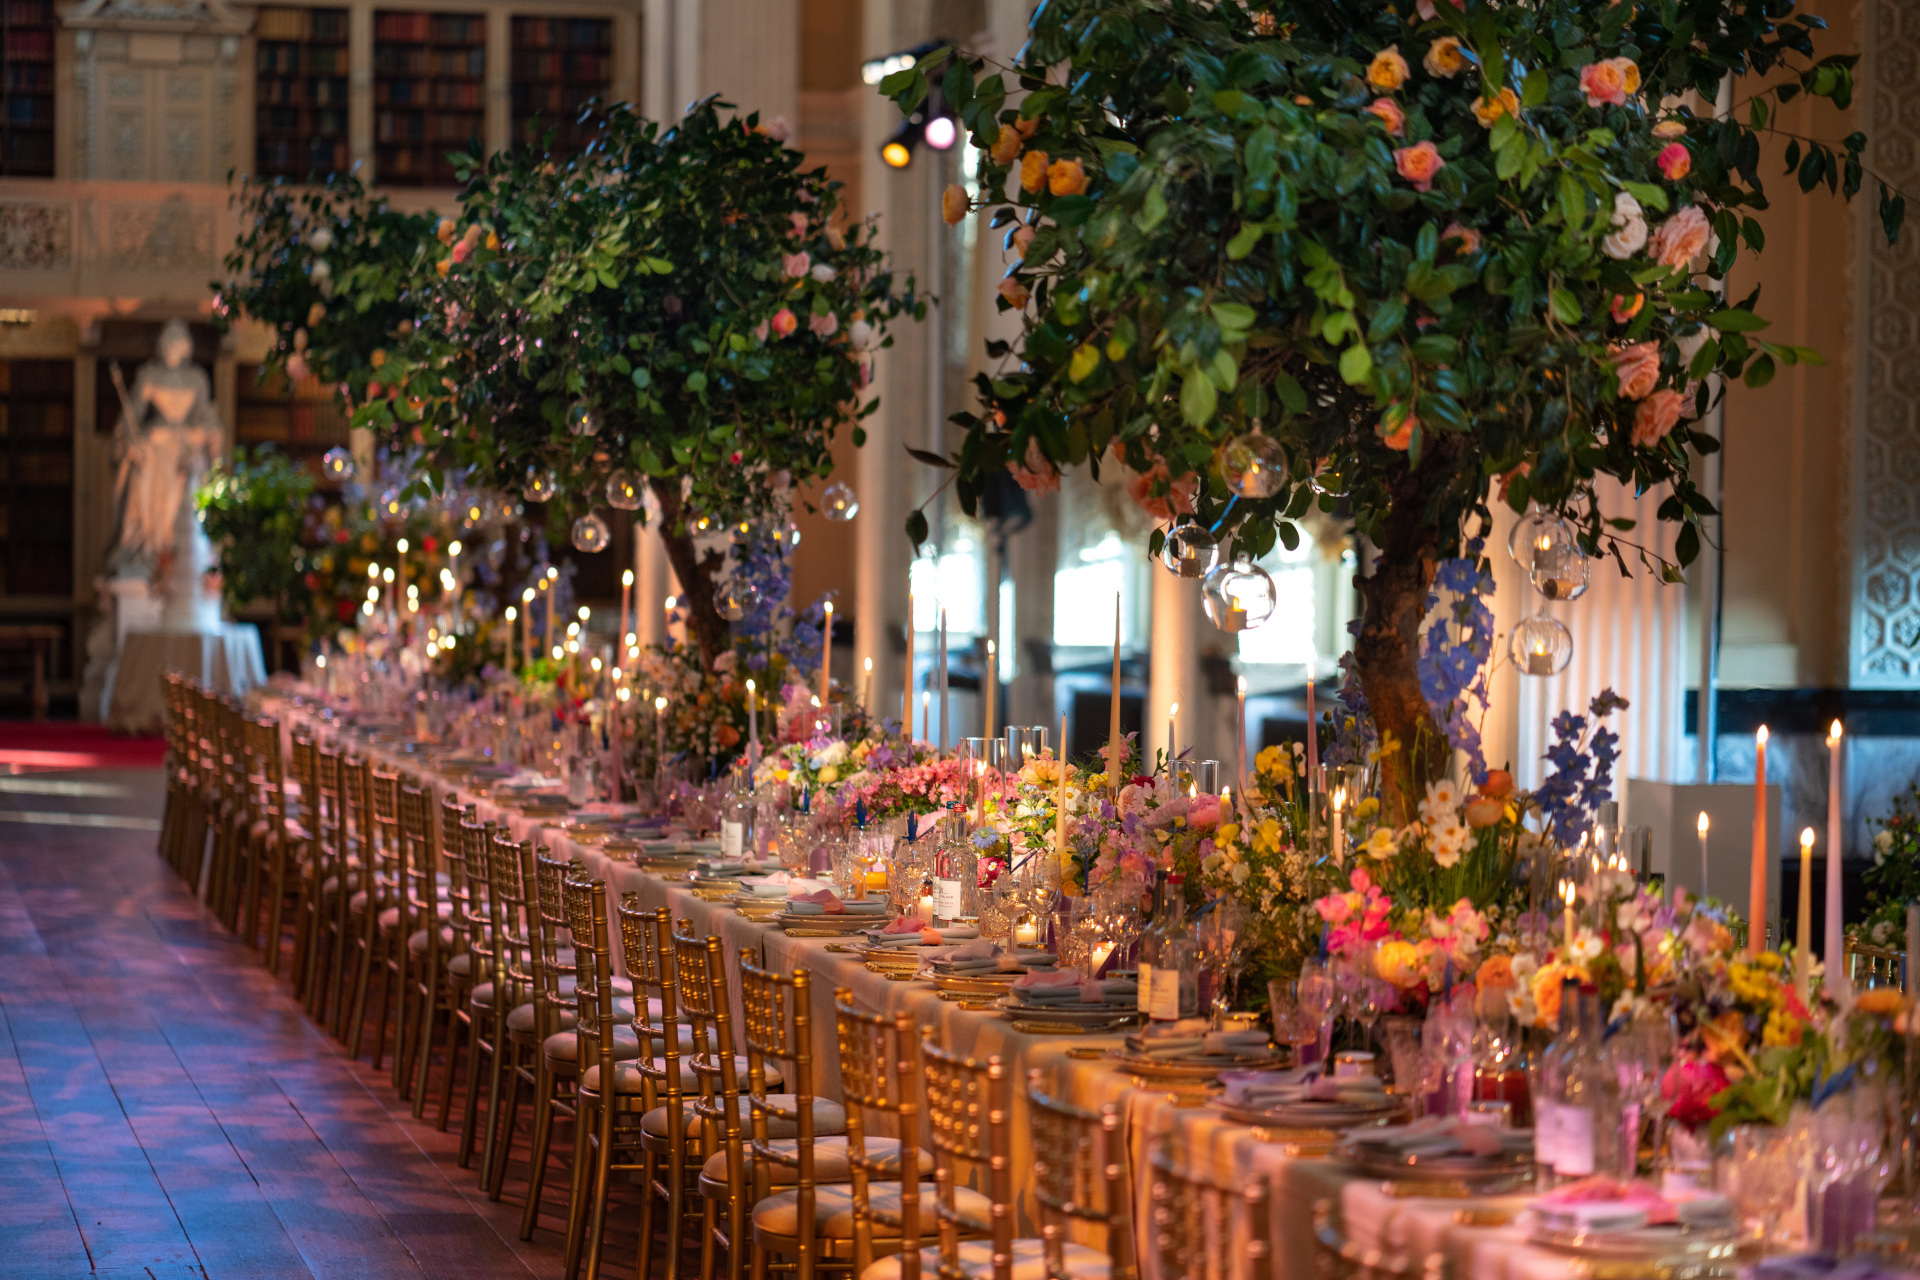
{"points": [[36, 237], [1885, 644], [169, 236]]}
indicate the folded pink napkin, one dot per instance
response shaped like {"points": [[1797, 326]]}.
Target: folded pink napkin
{"points": [[1048, 978], [905, 924], [825, 899]]}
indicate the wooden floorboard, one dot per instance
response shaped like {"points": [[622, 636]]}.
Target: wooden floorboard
{"points": [[167, 1110]]}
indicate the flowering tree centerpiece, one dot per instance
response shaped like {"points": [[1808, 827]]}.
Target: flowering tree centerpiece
{"points": [[679, 318], [1392, 252]]}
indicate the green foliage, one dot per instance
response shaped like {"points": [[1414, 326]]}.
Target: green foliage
{"points": [[1250, 213], [692, 293], [1894, 878], [254, 509]]}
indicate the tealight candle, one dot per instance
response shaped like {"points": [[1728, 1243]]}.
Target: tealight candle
{"points": [[1026, 934]]}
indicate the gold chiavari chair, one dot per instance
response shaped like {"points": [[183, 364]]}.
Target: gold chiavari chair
{"points": [[593, 1126], [461, 836], [484, 945], [266, 837], [512, 986], [173, 815], [1869, 966], [341, 892], [414, 926], [1080, 1175], [233, 814], [1335, 1256], [375, 908], [433, 950], [969, 1110], [654, 1079], [555, 980], [324, 937]]}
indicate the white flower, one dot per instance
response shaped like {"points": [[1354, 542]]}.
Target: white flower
{"points": [[823, 273], [1883, 841], [1586, 946], [1629, 228], [1240, 872], [1443, 798], [1449, 838], [1690, 344]]}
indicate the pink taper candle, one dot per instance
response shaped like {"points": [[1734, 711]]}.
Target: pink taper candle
{"points": [[1313, 736], [1833, 937], [1757, 879]]}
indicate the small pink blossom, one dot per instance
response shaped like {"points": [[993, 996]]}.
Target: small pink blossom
{"points": [[824, 326], [1419, 164], [796, 265], [1656, 416], [784, 322], [1675, 161], [1681, 238], [799, 221]]}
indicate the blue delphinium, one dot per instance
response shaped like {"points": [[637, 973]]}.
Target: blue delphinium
{"points": [[1581, 776], [1455, 648]]}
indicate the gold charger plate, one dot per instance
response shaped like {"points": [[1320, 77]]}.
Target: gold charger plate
{"points": [[955, 985], [1175, 1070]]}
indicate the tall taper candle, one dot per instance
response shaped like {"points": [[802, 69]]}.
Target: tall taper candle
{"points": [[1060, 796], [506, 656], [826, 657], [553, 634], [626, 607], [1173, 717], [1757, 886], [1803, 922], [753, 729], [1240, 735], [926, 716], [526, 628], [992, 685], [1834, 938], [1701, 826], [866, 686], [906, 695], [1313, 737], [944, 722], [1114, 770]]}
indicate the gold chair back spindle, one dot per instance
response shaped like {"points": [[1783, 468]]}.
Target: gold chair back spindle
{"points": [[1080, 1175]]}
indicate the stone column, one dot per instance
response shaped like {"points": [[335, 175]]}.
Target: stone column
{"points": [[1174, 669]]}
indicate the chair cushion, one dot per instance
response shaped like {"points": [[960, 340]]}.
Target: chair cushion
{"points": [[390, 918], [628, 1079], [976, 1262], [779, 1213], [829, 1161], [561, 1046], [829, 1117], [460, 965], [521, 1019], [417, 941]]}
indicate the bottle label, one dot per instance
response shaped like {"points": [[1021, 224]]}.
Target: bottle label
{"points": [[1166, 995], [1573, 1145], [1145, 980], [946, 899], [1546, 1116], [732, 836]]}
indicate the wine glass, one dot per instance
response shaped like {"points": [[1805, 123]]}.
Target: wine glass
{"points": [[1317, 994], [1293, 1023]]}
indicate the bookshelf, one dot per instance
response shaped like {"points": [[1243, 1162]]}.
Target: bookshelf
{"points": [[429, 94], [559, 65], [300, 92], [302, 421], [26, 71], [36, 477]]}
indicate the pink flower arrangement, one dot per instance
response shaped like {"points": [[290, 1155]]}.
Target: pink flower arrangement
{"points": [[1675, 161], [1034, 473], [1419, 164], [1179, 496], [1358, 917], [796, 265]]}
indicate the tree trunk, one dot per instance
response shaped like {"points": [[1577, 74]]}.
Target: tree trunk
{"points": [[705, 627], [1387, 651]]}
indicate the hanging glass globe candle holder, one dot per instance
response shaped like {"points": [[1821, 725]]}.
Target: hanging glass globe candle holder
{"points": [[1253, 465], [1330, 481], [1548, 552], [337, 464], [590, 533], [1189, 550], [581, 419], [540, 486], [623, 491], [1540, 646], [838, 503], [1238, 595], [736, 599]]}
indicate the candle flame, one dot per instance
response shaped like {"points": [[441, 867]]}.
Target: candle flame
{"points": [[1566, 892], [869, 666], [1173, 710], [1243, 685], [626, 579], [660, 704], [671, 601], [749, 686], [402, 546], [453, 548], [625, 694], [1806, 839], [526, 597], [512, 613], [1702, 824], [1833, 734], [1761, 736]]}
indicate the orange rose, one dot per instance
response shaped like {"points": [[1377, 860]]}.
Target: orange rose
{"points": [[1027, 128], [1033, 171], [1495, 974], [1656, 416], [1014, 293], [1624, 310], [1609, 82], [1388, 70], [1489, 109], [1681, 238], [953, 204], [1401, 437], [1419, 164], [1638, 369], [1445, 58], [1499, 784], [1483, 812], [1390, 115], [1066, 178], [1469, 238], [1006, 146]]}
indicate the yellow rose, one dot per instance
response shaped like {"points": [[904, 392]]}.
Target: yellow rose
{"points": [[829, 775], [953, 204], [1489, 109], [1033, 171], [1066, 178], [1006, 146], [1399, 963], [1388, 70]]}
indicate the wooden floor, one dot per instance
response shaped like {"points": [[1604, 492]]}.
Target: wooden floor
{"points": [[166, 1109]]}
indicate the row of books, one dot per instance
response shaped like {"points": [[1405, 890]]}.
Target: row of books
{"points": [[318, 92], [292, 59], [439, 28], [420, 94], [30, 76], [301, 24], [52, 467], [403, 60], [326, 124], [576, 33], [529, 65], [29, 46], [299, 157], [415, 126]]}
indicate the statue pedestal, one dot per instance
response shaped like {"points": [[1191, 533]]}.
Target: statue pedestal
{"points": [[126, 605], [226, 659]]}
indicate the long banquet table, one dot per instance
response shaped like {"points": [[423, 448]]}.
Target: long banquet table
{"points": [[1368, 1212]]}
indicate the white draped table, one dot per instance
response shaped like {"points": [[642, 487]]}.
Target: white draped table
{"points": [[1199, 1136], [226, 661]]}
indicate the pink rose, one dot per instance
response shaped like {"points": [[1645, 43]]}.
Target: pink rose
{"points": [[760, 331], [1656, 416], [1681, 238], [795, 265], [1419, 164], [1178, 499], [799, 221], [1609, 82], [1426, 10], [784, 323], [1335, 909], [1638, 368], [1033, 472], [1675, 161], [1625, 309], [1390, 115], [1689, 1086], [824, 326]]}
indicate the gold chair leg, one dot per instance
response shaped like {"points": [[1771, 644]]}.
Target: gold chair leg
{"points": [[649, 1169], [543, 1087], [470, 1108], [496, 1181], [602, 1176], [580, 1179]]}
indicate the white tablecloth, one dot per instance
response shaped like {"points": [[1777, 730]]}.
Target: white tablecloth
{"points": [[227, 661], [1200, 1136]]}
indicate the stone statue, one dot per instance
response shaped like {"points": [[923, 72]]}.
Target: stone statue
{"points": [[163, 445]]}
